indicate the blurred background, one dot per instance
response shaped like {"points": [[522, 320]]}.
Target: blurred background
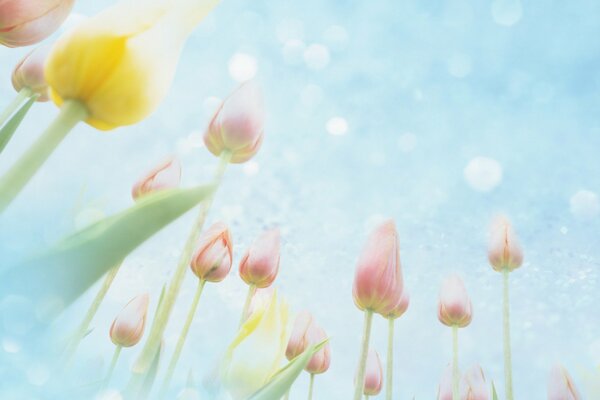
{"points": [[437, 114]]}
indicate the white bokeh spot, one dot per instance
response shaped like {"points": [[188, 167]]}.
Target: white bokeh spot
{"points": [[483, 174], [242, 67]]}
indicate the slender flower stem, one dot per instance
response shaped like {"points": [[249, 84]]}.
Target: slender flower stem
{"points": [[23, 95], [507, 352], [390, 360], [13, 181], [251, 291], [182, 338], [287, 395], [112, 366], [311, 386], [455, 371], [162, 317], [364, 351]]}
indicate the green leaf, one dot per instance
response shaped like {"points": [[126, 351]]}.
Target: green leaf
{"points": [[7, 131], [494, 394], [283, 380], [70, 267]]}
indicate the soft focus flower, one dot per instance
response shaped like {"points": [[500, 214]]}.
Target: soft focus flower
{"points": [[399, 308], [445, 387], [29, 73], [120, 63], [238, 124], [212, 260], [473, 385], [166, 176], [127, 329], [561, 386], [373, 374], [504, 250], [260, 264], [378, 280], [26, 22], [256, 353], [306, 333], [454, 304]]}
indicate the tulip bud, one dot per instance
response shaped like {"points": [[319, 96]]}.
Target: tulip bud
{"points": [[29, 73], [260, 264], [166, 176], [454, 305], [399, 308], [26, 22], [304, 334], [212, 260], [127, 329], [445, 387], [504, 250], [473, 385], [373, 374], [238, 124], [378, 280], [561, 386], [260, 299]]}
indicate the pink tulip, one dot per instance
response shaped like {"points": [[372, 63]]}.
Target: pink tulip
{"points": [[213, 257], [166, 176], [473, 385], [445, 387], [454, 305], [378, 280], [399, 308], [29, 73], [238, 125], [561, 386], [373, 375], [260, 264], [26, 22], [307, 333], [504, 250], [127, 329]]}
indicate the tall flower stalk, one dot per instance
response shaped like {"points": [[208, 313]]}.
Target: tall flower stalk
{"points": [[508, 386], [455, 369], [364, 352], [392, 314]]}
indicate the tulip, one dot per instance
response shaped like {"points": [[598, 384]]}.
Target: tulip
{"points": [[127, 329], [561, 386], [28, 74], [445, 387], [373, 380], [454, 307], [306, 333], [392, 314], [26, 22], [504, 251], [260, 263], [256, 353], [473, 385], [167, 175], [238, 124]]}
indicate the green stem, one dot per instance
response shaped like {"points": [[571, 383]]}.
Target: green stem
{"points": [[13, 181], [182, 338], [162, 318], [311, 386], [287, 395], [251, 291], [507, 352], [23, 95], [455, 371], [113, 364], [364, 351], [390, 359]]}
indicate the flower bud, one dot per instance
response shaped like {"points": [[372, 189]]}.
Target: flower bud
{"points": [[127, 329], [473, 385], [26, 22], [378, 280], [445, 387], [29, 73], [373, 374], [212, 260], [454, 305], [399, 308], [238, 124], [260, 264], [504, 250], [561, 386], [166, 176], [307, 333]]}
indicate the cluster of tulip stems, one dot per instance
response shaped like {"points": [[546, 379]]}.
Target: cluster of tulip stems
{"points": [[106, 72]]}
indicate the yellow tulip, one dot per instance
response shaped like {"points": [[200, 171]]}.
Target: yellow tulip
{"points": [[256, 353], [120, 63]]}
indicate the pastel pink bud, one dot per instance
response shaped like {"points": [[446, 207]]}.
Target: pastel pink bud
{"points": [[29, 73], [454, 304], [473, 385], [399, 308], [561, 386], [378, 280], [504, 250], [373, 374], [26, 22], [213, 258], [306, 333], [127, 329], [166, 176], [260, 264], [238, 124], [298, 341], [445, 387]]}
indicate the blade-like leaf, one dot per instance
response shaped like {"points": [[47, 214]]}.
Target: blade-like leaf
{"points": [[282, 381], [7, 131], [70, 267], [494, 394]]}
